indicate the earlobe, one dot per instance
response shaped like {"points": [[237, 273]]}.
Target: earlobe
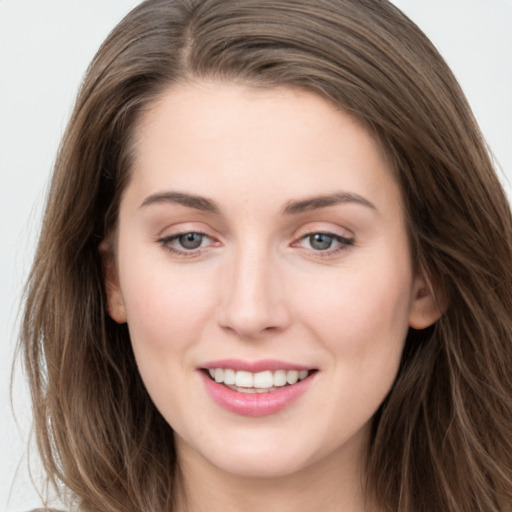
{"points": [[427, 305], [115, 302]]}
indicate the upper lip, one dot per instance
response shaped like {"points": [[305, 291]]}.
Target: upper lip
{"points": [[254, 366]]}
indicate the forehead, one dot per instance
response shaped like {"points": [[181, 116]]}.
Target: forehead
{"points": [[212, 136]]}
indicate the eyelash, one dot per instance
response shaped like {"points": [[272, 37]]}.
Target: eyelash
{"points": [[166, 242], [343, 244]]}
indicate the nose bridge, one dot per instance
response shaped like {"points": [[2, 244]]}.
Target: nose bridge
{"points": [[253, 300]]}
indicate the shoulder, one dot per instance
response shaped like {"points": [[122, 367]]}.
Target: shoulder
{"points": [[45, 510]]}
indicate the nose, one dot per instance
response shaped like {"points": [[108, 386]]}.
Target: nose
{"points": [[254, 303]]}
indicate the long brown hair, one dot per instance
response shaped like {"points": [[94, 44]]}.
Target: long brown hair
{"points": [[442, 440]]}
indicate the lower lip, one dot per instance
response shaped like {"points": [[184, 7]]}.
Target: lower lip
{"points": [[255, 404]]}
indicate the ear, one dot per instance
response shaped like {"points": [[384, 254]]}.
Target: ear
{"points": [[427, 305], [115, 302]]}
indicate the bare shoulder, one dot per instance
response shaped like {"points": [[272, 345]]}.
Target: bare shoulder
{"points": [[45, 510]]}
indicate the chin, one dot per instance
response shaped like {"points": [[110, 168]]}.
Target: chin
{"points": [[248, 454], [262, 465]]}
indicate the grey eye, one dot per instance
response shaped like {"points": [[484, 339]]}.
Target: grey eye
{"points": [[190, 240], [320, 241]]}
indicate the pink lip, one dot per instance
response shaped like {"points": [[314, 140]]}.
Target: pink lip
{"points": [[254, 366], [254, 404]]}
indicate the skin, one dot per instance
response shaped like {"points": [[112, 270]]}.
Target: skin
{"points": [[258, 288]]}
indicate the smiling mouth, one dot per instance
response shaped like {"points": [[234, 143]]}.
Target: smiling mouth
{"points": [[260, 382]]}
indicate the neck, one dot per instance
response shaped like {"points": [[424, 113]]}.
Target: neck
{"points": [[333, 484]]}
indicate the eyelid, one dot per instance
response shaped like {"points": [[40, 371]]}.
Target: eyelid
{"points": [[166, 242], [340, 238], [327, 228], [344, 241]]}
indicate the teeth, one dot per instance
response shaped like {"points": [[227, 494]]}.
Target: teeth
{"points": [[280, 378], [263, 380], [249, 382], [292, 376], [243, 379], [229, 377]]}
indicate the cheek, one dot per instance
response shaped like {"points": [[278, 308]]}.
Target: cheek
{"points": [[166, 307], [166, 314], [362, 315], [363, 328]]}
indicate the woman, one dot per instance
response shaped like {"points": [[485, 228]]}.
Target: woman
{"points": [[274, 271]]}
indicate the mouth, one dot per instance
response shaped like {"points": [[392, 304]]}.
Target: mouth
{"points": [[267, 381], [256, 388]]}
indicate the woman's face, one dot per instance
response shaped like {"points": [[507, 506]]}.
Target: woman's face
{"points": [[262, 240]]}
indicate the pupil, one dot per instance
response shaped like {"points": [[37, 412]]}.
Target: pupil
{"points": [[191, 240], [320, 241]]}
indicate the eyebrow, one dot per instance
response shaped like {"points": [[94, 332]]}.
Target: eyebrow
{"points": [[188, 200], [292, 208], [324, 201]]}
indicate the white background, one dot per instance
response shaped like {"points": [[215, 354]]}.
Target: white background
{"points": [[45, 47]]}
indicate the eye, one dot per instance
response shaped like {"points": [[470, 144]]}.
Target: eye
{"points": [[185, 244], [325, 242], [190, 240], [320, 241]]}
